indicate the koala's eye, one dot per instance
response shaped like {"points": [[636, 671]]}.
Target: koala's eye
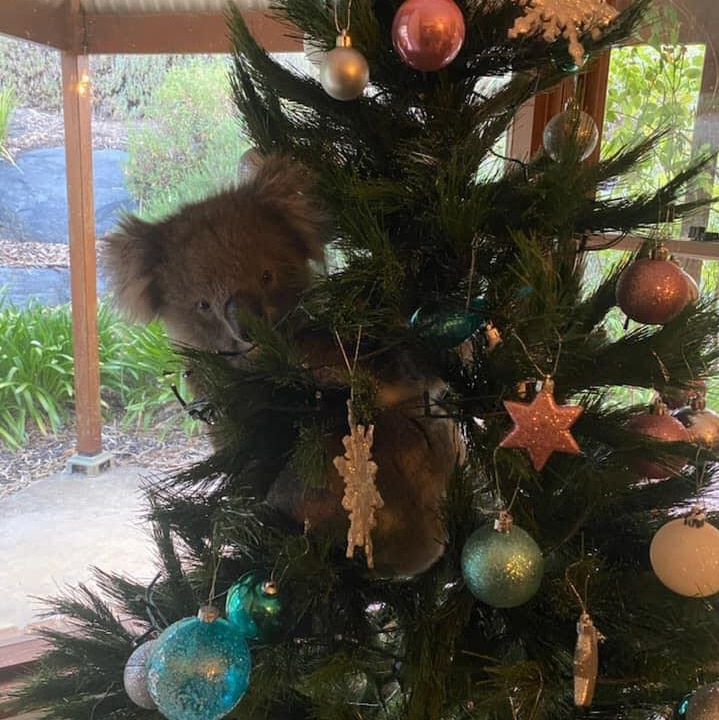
{"points": [[266, 277], [202, 305]]}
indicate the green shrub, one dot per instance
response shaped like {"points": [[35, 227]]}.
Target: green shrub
{"points": [[137, 366], [8, 103], [191, 142], [121, 84]]}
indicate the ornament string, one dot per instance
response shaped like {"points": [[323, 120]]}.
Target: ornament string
{"points": [[216, 559], [341, 30], [539, 370], [472, 268]]}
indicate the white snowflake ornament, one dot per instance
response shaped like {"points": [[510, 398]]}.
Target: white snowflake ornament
{"points": [[567, 18]]}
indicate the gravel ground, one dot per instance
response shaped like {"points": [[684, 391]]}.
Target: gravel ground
{"points": [[43, 455]]}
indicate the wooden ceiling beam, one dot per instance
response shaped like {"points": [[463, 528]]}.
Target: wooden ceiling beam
{"points": [[180, 33], [37, 22]]}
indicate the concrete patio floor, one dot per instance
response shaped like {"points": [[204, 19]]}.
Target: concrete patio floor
{"points": [[54, 530]]}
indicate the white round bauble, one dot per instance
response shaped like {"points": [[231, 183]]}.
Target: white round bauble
{"points": [[685, 557]]}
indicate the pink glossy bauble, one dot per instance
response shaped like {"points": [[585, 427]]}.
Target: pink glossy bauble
{"points": [[428, 34], [661, 427]]}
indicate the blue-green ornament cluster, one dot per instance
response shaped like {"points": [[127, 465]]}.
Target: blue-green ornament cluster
{"points": [[198, 668], [502, 564], [255, 605]]}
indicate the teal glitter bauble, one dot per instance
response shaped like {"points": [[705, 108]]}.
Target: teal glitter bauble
{"points": [[198, 669], [450, 328], [683, 706], [502, 569], [255, 605]]}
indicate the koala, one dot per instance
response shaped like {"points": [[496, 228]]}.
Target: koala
{"points": [[245, 249], [249, 250]]}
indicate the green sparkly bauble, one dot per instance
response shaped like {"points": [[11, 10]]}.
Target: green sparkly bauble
{"points": [[255, 605], [450, 328], [502, 569]]}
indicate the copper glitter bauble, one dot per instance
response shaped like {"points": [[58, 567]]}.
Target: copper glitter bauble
{"points": [[428, 34], [653, 291], [663, 427], [702, 424], [704, 703], [685, 556]]}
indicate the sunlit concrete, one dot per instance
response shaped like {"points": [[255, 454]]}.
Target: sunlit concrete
{"points": [[53, 531]]}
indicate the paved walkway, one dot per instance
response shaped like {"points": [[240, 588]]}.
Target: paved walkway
{"points": [[56, 529], [33, 206]]}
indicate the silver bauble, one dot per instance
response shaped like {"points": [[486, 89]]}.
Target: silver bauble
{"points": [[571, 125], [344, 73], [702, 424], [135, 677], [704, 703]]}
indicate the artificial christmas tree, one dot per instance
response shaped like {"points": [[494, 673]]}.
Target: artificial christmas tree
{"points": [[485, 555]]}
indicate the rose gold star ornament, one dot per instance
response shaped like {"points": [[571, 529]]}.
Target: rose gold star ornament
{"points": [[542, 426]]}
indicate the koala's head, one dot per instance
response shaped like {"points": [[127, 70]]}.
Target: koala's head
{"points": [[245, 250]]}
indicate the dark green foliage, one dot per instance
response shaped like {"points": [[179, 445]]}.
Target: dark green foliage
{"points": [[415, 226]]}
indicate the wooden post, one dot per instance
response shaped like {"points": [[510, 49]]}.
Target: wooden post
{"points": [[81, 212]]}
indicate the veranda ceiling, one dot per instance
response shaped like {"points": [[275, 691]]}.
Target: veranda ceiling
{"points": [[138, 26]]}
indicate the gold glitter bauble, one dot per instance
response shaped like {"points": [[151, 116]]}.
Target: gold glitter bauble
{"points": [[662, 427], [653, 291], [685, 557]]}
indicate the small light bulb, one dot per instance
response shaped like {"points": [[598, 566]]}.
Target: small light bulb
{"points": [[83, 85]]}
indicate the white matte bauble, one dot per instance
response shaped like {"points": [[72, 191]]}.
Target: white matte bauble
{"points": [[704, 703], [344, 74], [685, 557]]}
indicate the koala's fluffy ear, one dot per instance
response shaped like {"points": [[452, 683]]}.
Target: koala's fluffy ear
{"points": [[131, 257], [286, 189]]}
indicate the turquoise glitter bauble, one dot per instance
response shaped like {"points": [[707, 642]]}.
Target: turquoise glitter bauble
{"points": [[502, 569], [198, 669], [254, 604]]}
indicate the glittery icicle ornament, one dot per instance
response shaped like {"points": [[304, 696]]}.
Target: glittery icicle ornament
{"points": [[542, 426], [564, 18], [586, 660], [361, 498]]}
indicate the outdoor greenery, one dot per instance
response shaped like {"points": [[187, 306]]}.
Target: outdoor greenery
{"points": [[654, 86], [8, 102], [36, 368], [120, 84], [190, 143]]}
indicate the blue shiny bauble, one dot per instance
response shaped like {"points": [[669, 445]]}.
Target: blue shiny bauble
{"points": [[198, 670], [255, 605], [502, 569]]}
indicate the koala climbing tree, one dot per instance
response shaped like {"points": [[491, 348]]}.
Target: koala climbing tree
{"points": [[426, 499]]}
